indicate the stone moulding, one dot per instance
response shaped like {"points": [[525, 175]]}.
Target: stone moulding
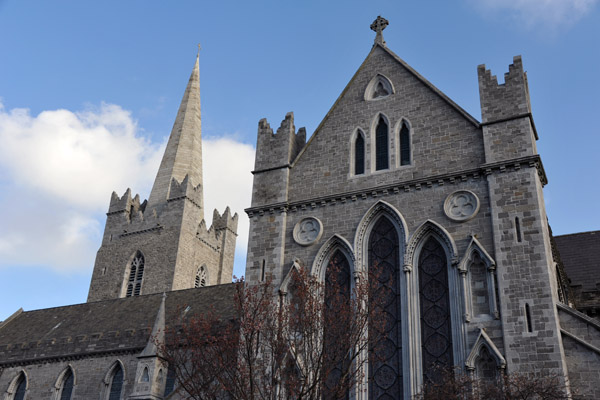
{"points": [[406, 186], [461, 205], [308, 231]]}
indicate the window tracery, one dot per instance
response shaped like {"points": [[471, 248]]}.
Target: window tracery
{"points": [[201, 277], [136, 274], [385, 367], [436, 330]]}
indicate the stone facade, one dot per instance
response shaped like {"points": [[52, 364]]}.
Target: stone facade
{"points": [[473, 187], [397, 177]]}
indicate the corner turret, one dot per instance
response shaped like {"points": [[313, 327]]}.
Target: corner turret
{"points": [[508, 128], [274, 156]]}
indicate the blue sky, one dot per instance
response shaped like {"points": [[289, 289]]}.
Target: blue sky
{"points": [[89, 92]]}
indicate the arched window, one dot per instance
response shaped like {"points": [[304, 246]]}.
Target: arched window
{"points": [[485, 366], [436, 333], [381, 145], [19, 388], [404, 144], [359, 154], [136, 273], [337, 297], [116, 383], [385, 367], [170, 383], [66, 387], [201, 277]]}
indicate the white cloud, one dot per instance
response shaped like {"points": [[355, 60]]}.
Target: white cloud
{"points": [[58, 169], [546, 14], [228, 181]]}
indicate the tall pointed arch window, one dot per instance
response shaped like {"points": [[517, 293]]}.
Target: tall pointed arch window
{"points": [[436, 333], [136, 274], [337, 297], [19, 388], [385, 367], [359, 154], [66, 386], [382, 145], [404, 137], [201, 277], [116, 383]]}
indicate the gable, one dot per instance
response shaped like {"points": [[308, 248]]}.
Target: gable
{"points": [[444, 137]]}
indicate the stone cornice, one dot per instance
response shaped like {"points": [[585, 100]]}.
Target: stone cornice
{"points": [[71, 356], [154, 228], [525, 115], [533, 161]]}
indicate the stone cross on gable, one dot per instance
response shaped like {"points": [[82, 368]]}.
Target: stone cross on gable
{"points": [[378, 26]]}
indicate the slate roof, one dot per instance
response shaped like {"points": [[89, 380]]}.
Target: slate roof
{"points": [[117, 325], [580, 254]]}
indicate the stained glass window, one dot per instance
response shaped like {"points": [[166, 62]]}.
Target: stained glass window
{"points": [[381, 145], [436, 334], [385, 361], [337, 292]]}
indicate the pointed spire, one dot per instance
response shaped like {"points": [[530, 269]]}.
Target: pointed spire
{"points": [[158, 331], [378, 26], [183, 155]]}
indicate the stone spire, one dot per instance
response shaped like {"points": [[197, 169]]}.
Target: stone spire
{"points": [[183, 155], [378, 26]]}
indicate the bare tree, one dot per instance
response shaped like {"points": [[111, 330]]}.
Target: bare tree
{"points": [[455, 384], [311, 343]]}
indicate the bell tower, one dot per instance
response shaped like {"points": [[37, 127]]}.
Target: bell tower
{"points": [[164, 243]]}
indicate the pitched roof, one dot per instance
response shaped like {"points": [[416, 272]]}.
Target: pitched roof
{"points": [[104, 326], [580, 254], [403, 63]]}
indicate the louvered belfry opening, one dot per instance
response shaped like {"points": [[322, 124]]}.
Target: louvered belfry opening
{"points": [[136, 274], [385, 367]]}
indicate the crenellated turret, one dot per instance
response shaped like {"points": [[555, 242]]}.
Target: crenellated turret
{"points": [[186, 189], [274, 156], [280, 149], [508, 128]]}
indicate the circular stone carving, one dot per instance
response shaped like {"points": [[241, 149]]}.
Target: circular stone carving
{"points": [[461, 205], [308, 231]]}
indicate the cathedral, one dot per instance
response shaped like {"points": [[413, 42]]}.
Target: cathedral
{"points": [[396, 177]]}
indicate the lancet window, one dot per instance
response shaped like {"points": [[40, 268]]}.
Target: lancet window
{"points": [[385, 367], [116, 383], [136, 274], [404, 144], [436, 333], [66, 388], [381, 145], [359, 154], [19, 388], [337, 296], [201, 277]]}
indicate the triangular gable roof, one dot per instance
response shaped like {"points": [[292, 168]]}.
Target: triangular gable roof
{"points": [[428, 84]]}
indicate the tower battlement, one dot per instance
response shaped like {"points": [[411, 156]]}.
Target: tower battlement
{"points": [[281, 148], [186, 189], [506, 100], [225, 221]]}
